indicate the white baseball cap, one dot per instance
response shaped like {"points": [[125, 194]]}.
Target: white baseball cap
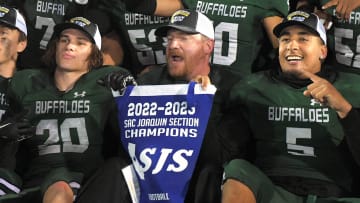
{"points": [[309, 20], [189, 21], [11, 17]]}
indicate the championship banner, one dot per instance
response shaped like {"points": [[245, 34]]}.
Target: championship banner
{"points": [[162, 128]]}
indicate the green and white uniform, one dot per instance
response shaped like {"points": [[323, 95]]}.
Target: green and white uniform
{"points": [[141, 47], [4, 83], [75, 130], [9, 181], [41, 17], [295, 136], [343, 40], [239, 33]]}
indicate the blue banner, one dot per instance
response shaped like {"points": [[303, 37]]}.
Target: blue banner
{"points": [[162, 128]]}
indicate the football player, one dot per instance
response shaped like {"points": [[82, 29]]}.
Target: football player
{"points": [[241, 27], [13, 128], [343, 32], [144, 49], [190, 36], [75, 117], [301, 153]]}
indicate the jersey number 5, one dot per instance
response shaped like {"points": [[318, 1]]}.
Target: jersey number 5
{"points": [[344, 54], [292, 135]]}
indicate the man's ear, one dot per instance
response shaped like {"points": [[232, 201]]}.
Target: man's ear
{"points": [[323, 51], [209, 46], [21, 46]]}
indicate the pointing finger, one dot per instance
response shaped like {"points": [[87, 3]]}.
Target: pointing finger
{"points": [[311, 76]]}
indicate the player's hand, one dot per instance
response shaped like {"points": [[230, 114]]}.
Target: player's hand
{"points": [[325, 93], [325, 18], [118, 80], [343, 7], [204, 80], [16, 128]]}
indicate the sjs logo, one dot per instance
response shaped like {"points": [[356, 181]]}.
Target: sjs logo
{"points": [[169, 160]]}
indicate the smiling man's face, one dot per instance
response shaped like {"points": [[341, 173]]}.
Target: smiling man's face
{"points": [[300, 49]]}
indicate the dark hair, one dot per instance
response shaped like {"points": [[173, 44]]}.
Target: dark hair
{"points": [[22, 36], [49, 59]]}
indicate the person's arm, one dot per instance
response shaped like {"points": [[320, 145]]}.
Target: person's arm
{"points": [[236, 192], [351, 127], [167, 7], [343, 7], [118, 80], [325, 17], [324, 92], [269, 23], [16, 128]]}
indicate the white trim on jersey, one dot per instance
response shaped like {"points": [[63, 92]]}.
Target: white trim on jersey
{"points": [[10, 186]]}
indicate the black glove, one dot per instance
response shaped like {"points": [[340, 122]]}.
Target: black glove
{"points": [[118, 80], [16, 128]]}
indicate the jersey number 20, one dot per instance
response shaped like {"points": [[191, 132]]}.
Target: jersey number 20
{"points": [[52, 144]]}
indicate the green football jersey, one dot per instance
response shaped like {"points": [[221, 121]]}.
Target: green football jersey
{"points": [[343, 41], [142, 48], [10, 183], [239, 33], [72, 128], [41, 17], [4, 83], [295, 135]]}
